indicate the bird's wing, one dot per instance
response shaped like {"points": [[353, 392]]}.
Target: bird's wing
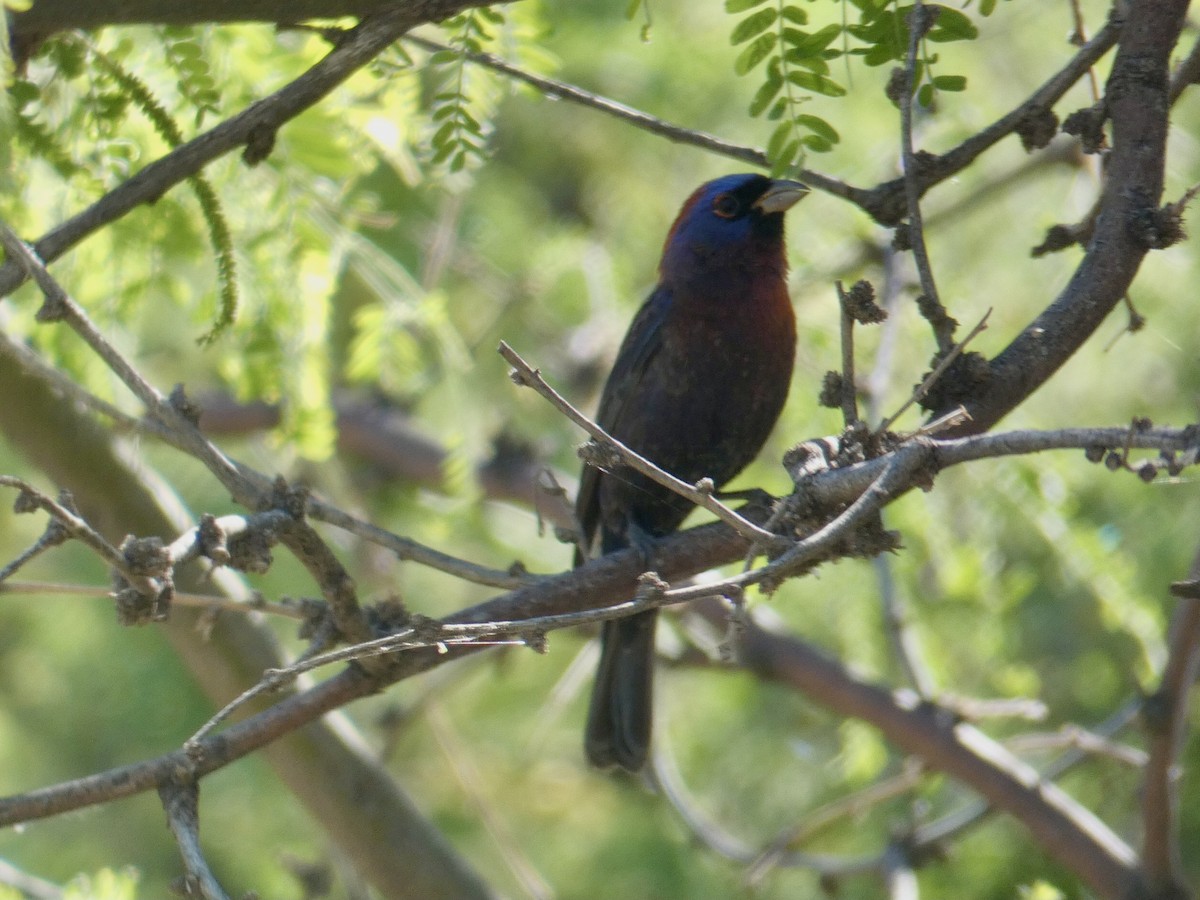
{"points": [[642, 343]]}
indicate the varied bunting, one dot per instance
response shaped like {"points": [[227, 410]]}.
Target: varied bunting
{"points": [[696, 387]]}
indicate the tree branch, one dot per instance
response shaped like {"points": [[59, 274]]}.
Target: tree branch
{"points": [[256, 123], [1165, 716], [1069, 833], [324, 764], [1129, 226], [48, 16], [181, 801], [1062, 827], [527, 376]]}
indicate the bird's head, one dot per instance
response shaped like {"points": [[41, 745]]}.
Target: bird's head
{"points": [[732, 222]]}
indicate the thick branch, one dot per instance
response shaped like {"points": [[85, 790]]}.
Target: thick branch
{"points": [[1130, 222], [1165, 715], [48, 16], [1069, 832], [1062, 827]]}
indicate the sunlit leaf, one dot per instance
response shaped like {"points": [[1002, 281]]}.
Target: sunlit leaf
{"points": [[950, 82], [755, 52], [819, 127], [737, 6], [818, 84]]}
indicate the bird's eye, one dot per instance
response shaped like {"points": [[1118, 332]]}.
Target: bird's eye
{"points": [[726, 206]]}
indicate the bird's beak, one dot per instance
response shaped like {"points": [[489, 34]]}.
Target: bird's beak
{"points": [[781, 196]]}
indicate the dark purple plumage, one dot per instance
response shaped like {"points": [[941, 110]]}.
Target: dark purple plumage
{"points": [[697, 386]]}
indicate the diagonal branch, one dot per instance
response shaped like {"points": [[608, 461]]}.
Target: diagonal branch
{"points": [[1130, 223], [527, 376], [324, 764], [181, 801], [256, 124], [1165, 716], [1071, 834]]}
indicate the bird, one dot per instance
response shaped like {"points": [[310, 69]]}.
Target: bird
{"points": [[696, 387]]}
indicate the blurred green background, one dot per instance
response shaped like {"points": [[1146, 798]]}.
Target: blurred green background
{"points": [[363, 265]]}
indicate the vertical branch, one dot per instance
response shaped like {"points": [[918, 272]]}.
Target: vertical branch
{"points": [[904, 642], [1165, 715], [180, 800], [849, 391], [920, 20]]}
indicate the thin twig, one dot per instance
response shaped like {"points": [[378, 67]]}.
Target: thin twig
{"points": [[200, 601], [408, 550], [527, 376], [469, 779], [717, 839], [1088, 742], [900, 634], [919, 21], [60, 306], [1079, 38], [853, 805], [879, 201], [563, 91], [931, 379], [78, 528], [849, 388], [433, 634]]}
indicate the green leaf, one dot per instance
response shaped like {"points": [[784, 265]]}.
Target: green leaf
{"points": [[787, 159], [796, 15], [925, 95], [441, 137], [795, 37], [778, 139], [812, 63], [68, 58], [818, 84], [23, 93], [952, 25], [764, 95], [737, 6], [950, 82], [879, 55], [756, 51], [816, 143], [819, 127], [818, 40], [753, 25]]}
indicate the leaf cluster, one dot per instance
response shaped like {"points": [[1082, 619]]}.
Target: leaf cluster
{"points": [[463, 108], [795, 56], [184, 52]]}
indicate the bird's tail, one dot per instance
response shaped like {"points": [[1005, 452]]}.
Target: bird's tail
{"points": [[618, 725]]}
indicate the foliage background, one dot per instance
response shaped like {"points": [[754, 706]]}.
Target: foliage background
{"points": [[364, 265]]}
